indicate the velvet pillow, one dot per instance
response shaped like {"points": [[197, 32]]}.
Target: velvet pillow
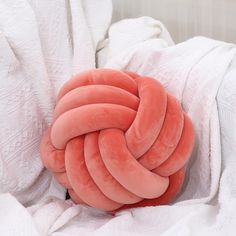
{"points": [[118, 140]]}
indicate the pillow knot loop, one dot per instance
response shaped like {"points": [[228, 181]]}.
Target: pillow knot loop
{"points": [[118, 140]]}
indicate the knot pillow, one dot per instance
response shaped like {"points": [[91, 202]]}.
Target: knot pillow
{"points": [[118, 140]]}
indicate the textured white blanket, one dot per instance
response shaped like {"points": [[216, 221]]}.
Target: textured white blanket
{"points": [[42, 43], [200, 73]]}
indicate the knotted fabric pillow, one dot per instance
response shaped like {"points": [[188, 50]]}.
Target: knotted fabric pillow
{"points": [[118, 140]]}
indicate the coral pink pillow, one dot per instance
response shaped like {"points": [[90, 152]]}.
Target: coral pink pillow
{"points": [[118, 140]]}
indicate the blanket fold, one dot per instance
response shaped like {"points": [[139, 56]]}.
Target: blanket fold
{"points": [[42, 44]]}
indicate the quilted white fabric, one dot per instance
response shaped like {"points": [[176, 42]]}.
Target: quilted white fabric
{"points": [[42, 43]]}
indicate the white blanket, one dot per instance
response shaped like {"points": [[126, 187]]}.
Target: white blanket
{"points": [[42, 43], [200, 73]]}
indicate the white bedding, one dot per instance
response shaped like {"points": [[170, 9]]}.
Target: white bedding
{"points": [[59, 39], [42, 44]]}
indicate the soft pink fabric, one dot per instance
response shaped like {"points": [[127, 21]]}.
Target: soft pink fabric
{"points": [[118, 140]]}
